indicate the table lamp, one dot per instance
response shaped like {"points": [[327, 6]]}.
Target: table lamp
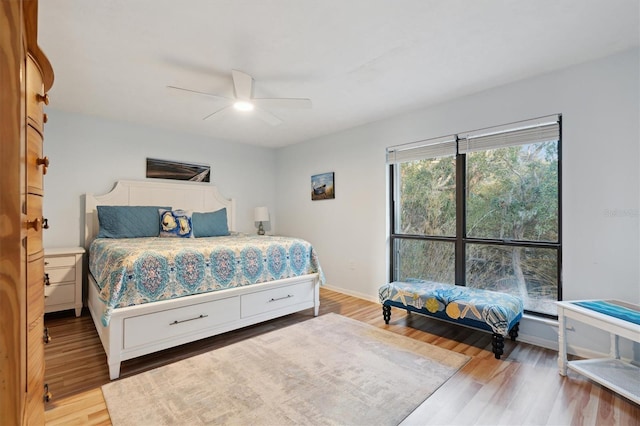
{"points": [[261, 214]]}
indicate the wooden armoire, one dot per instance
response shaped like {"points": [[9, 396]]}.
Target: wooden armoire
{"points": [[25, 77]]}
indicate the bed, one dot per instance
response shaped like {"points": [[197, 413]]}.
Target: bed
{"points": [[239, 290]]}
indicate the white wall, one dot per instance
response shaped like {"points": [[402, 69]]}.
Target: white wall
{"points": [[600, 103], [601, 183], [89, 154]]}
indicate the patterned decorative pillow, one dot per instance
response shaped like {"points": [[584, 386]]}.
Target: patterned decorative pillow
{"points": [[175, 223], [128, 221], [210, 224]]}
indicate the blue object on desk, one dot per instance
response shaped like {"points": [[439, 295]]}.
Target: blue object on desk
{"points": [[612, 309]]}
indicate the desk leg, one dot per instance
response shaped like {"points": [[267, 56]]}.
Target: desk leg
{"points": [[562, 343], [614, 351]]}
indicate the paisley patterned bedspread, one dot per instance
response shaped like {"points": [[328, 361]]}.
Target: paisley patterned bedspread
{"points": [[132, 271]]}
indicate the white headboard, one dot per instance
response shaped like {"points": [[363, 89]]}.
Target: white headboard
{"points": [[197, 197]]}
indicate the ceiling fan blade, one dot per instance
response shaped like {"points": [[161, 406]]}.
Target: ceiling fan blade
{"points": [[283, 102], [217, 113], [243, 84], [199, 93], [267, 117]]}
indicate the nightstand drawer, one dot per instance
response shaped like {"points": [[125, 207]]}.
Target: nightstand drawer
{"points": [[59, 261], [59, 294], [60, 275]]}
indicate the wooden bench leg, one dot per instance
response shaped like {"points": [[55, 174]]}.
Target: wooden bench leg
{"points": [[498, 345], [513, 333], [386, 313]]}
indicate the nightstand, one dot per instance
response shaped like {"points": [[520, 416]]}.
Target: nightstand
{"points": [[63, 279]]}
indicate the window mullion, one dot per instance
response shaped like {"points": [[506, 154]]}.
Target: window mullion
{"points": [[460, 219], [392, 222]]}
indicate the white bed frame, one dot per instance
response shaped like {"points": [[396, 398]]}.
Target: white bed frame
{"points": [[139, 330]]}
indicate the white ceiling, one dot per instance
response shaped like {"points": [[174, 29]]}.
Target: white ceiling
{"points": [[358, 60]]}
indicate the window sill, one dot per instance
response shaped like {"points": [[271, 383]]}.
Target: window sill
{"points": [[540, 320]]}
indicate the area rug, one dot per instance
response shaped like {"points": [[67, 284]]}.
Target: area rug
{"points": [[324, 371]]}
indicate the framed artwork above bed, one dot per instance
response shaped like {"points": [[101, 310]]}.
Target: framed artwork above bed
{"points": [[165, 169]]}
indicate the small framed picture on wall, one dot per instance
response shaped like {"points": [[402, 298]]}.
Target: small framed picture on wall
{"points": [[323, 186]]}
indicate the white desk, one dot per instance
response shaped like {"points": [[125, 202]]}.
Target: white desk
{"points": [[613, 373]]}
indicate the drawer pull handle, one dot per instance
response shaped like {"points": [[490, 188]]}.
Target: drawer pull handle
{"points": [[46, 279], [190, 319], [43, 98], [281, 298], [44, 162], [35, 224], [47, 336], [47, 395]]}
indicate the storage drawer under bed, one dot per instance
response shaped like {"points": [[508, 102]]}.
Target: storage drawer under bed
{"points": [[155, 327], [276, 298]]}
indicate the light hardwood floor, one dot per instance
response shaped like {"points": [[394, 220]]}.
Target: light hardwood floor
{"points": [[523, 388]]}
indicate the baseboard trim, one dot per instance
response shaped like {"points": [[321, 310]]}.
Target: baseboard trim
{"points": [[352, 293]]}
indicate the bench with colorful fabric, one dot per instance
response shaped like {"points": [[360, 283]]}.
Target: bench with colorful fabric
{"points": [[498, 313]]}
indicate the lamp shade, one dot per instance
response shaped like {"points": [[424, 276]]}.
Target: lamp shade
{"points": [[261, 214]]}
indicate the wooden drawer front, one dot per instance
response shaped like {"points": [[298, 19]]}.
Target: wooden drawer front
{"points": [[277, 298], [35, 290], [59, 294], [34, 224], [34, 156], [34, 366], [60, 275], [59, 261], [35, 88], [35, 326], [35, 353], [145, 329], [34, 411]]}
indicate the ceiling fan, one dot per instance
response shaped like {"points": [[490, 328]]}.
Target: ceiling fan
{"points": [[244, 100]]}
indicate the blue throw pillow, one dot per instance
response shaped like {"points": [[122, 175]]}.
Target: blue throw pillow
{"points": [[210, 224], [128, 221], [175, 223]]}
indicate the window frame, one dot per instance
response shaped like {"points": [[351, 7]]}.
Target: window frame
{"points": [[460, 239]]}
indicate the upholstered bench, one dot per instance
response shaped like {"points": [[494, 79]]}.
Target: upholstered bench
{"points": [[498, 313]]}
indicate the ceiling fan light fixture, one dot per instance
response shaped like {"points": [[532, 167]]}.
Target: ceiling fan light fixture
{"points": [[243, 106], [244, 101]]}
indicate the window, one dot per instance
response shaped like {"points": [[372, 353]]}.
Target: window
{"points": [[481, 209]]}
